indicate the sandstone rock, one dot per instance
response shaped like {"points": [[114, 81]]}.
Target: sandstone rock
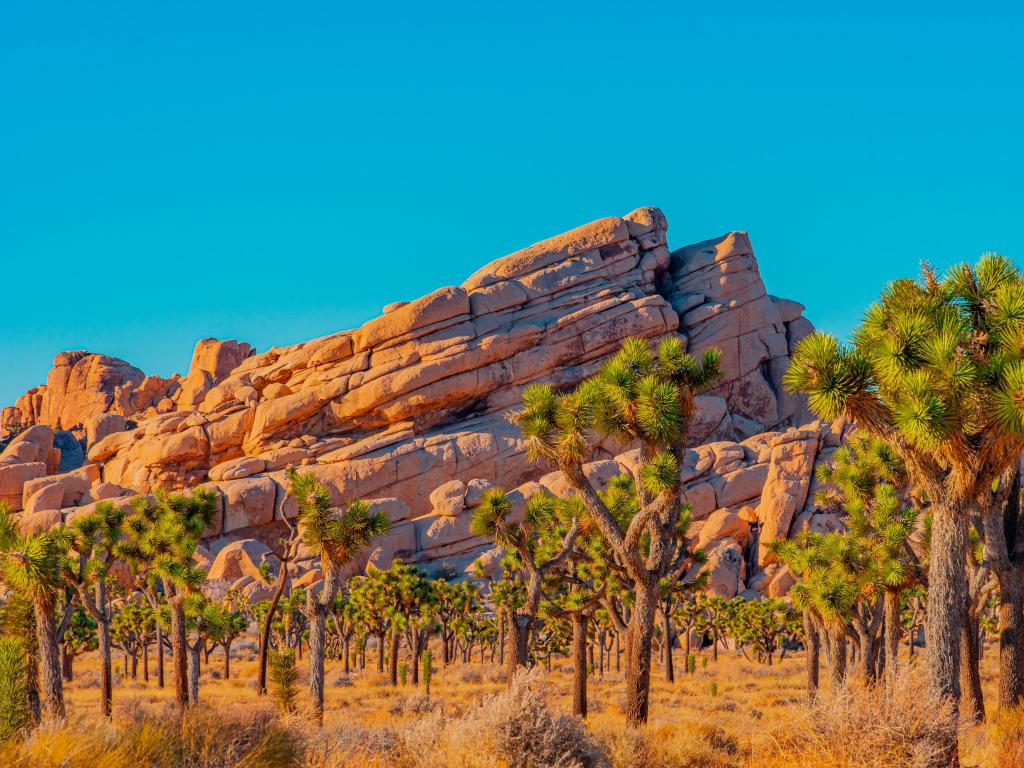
{"points": [[47, 498], [218, 358], [37, 522], [721, 524], [236, 469], [239, 558], [248, 502], [781, 583], [785, 490], [14, 476], [725, 568], [448, 498], [33, 445]]}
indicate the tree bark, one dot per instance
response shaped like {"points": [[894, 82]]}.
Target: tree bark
{"points": [[179, 664], [268, 621], [52, 691], [579, 665], [947, 596], [160, 656], [892, 622], [1011, 640], [393, 654], [668, 639], [639, 634], [972, 699], [66, 670], [517, 635], [813, 660], [836, 649], [316, 611], [193, 672]]}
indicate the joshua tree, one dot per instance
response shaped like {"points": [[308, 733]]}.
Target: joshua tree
{"points": [[283, 674], [161, 536], [525, 542], [132, 629], [936, 371], [337, 536], [91, 539], [79, 637], [643, 399], [869, 481], [31, 566], [15, 714]]}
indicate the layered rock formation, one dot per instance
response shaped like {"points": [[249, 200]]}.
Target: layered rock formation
{"points": [[417, 398]]}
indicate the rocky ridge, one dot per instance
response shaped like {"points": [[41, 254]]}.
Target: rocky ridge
{"points": [[411, 406]]}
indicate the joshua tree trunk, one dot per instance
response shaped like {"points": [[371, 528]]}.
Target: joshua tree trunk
{"points": [[813, 654], [579, 664], [517, 636], [159, 656], [670, 674], [835, 638], [380, 653], [892, 623], [416, 647], [179, 664], [145, 663], [227, 661], [316, 610], [947, 596], [346, 652], [49, 659], [194, 651], [393, 654], [66, 659], [268, 621], [972, 701], [639, 634], [1011, 640]]}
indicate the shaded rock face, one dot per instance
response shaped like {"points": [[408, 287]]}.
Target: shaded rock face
{"points": [[417, 398]]}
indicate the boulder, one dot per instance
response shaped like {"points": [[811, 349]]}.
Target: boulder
{"points": [[239, 558]]}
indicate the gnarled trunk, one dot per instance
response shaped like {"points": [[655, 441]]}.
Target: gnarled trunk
{"points": [[892, 622], [52, 692], [639, 634], [393, 654], [517, 635], [268, 622], [1011, 639], [947, 596], [667, 639], [316, 611]]}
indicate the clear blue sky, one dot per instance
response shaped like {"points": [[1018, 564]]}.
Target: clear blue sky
{"points": [[278, 171]]}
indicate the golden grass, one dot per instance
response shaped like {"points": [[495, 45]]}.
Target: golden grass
{"points": [[758, 718]]}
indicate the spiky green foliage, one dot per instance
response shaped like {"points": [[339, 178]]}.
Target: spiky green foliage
{"points": [[29, 564], [936, 369], [14, 665], [427, 661], [161, 534], [283, 675], [337, 535]]}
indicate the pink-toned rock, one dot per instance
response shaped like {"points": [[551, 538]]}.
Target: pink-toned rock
{"points": [[701, 498], [14, 476], [37, 522], [785, 491], [724, 524], [448, 498], [236, 469], [248, 502], [104, 492], [101, 425], [239, 558], [47, 498], [32, 445], [218, 358], [781, 583], [725, 568]]}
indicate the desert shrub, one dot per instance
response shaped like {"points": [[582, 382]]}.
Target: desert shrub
{"points": [[201, 738], [897, 725], [668, 746], [516, 727]]}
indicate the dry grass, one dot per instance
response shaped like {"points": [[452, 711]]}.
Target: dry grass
{"points": [[758, 718]]}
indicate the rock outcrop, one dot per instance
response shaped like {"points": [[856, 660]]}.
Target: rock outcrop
{"points": [[410, 408]]}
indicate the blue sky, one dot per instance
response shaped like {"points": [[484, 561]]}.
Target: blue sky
{"points": [[277, 171]]}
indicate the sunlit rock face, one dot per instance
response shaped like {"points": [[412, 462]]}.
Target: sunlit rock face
{"points": [[417, 398]]}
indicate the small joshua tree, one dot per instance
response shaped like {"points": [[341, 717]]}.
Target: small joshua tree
{"points": [[428, 671], [14, 709], [283, 676]]}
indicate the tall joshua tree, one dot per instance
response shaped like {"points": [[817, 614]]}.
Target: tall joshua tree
{"points": [[337, 536], [640, 398], [936, 369], [161, 536], [31, 566], [92, 539]]}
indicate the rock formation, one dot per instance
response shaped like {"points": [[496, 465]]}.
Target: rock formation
{"points": [[411, 406]]}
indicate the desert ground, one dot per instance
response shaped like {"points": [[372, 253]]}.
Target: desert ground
{"points": [[724, 714]]}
